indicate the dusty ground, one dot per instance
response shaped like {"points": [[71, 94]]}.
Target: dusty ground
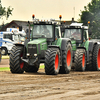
{"points": [[31, 86]]}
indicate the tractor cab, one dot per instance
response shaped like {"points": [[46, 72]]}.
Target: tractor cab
{"points": [[77, 33], [48, 30]]}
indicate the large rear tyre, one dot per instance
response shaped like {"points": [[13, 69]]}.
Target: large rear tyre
{"points": [[66, 60], [80, 60], [28, 68], [52, 61], [16, 64], [89, 66], [96, 58]]}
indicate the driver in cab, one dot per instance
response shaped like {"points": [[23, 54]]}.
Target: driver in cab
{"points": [[46, 32]]}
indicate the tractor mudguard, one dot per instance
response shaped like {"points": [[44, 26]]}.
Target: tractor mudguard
{"points": [[24, 51], [92, 43], [54, 46], [90, 48], [64, 41], [17, 44]]}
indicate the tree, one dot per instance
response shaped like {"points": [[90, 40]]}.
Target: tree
{"points": [[5, 11], [91, 13]]}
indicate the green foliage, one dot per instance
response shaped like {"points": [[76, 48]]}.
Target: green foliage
{"points": [[92, 13], [5, 11]]}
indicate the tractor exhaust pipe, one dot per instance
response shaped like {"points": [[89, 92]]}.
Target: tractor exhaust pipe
{"points": [[29, 30]]}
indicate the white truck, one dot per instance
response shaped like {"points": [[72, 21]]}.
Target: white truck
{"points": [[9, 38]]}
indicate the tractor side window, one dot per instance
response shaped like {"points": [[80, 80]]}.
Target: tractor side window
{"points": [[67, 33], [7, 36], [84, 35], [56, 33]]}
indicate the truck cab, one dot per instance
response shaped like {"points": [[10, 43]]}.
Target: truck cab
{"points": [[9, 38]]}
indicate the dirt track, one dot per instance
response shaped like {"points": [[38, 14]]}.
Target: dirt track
{"points": [[38, 86]]}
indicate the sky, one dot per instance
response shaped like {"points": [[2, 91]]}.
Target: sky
{"points": [[24, 9]]}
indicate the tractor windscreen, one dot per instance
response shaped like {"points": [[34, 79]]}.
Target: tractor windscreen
{"points": [[42, 31], [16, 38], [73, 33]]}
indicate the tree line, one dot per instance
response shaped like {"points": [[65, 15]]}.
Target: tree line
{"points": [[91, 13]]}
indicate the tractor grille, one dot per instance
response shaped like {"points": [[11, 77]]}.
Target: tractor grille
{"points": [[32, 49]]}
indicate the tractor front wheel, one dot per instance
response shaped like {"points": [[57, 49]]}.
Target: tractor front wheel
{"points": [[52, 61], [80, 60], [16, 64], [66, 60]]}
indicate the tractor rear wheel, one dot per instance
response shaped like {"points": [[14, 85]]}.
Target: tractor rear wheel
{"points": [[16, 64], [52, 61], [28, 68], [96, 57], [89, 63], [66, 60], [80, 60]]}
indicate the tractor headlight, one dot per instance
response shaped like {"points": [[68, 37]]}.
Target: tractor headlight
{"points": [[28, 54], [35, 55]]}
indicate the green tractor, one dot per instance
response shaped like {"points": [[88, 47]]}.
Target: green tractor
{"points": [[86, 52], [44, 45]]}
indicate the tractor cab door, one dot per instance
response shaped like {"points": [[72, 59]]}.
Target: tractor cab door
{"points": [[85, 35], [57, 34]]}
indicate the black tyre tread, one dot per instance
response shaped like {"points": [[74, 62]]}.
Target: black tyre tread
{"points": [[50, 61], [95, 54], [89, 66], [78, 60], [11, 60], [64, 69], [15, 60]]}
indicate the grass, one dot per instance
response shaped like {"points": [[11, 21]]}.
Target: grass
{"points": [[41, 66], [5, 57], [8, 69], [4, 69]]}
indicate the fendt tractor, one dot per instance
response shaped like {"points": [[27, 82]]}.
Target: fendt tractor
{"points": [[44, 45], [86, 52]]}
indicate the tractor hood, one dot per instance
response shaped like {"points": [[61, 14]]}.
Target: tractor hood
{"points": [[37, 41]]}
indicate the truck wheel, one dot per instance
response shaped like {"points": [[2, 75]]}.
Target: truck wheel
{"points": [[28, 68], [16, 64], [4, 51], [52, 61], [66, 60], [96, 57], [80, 60]]}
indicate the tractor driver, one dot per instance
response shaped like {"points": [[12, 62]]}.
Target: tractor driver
{"points": [[77, 34], [46, 32]]}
